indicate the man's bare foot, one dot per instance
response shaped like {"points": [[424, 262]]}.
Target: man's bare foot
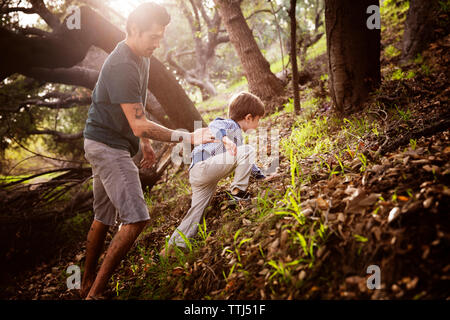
{"points": [[91, 297], [85, 287]]}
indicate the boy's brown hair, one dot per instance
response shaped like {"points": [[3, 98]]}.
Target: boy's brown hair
{"points": [[245, 103]]}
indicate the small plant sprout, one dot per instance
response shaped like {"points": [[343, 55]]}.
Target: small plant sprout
{"points": [[322, 231], [226, 277], [282, 270], [186, 240], [261, 251], [363, 160], [294, 167], [413, 144], [350, 152], [360, 238], [202, 230], [292, 201], [341, 165], [404, 115]]}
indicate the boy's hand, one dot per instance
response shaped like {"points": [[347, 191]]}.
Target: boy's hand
{"points": [[272, 176], [229, 145]]}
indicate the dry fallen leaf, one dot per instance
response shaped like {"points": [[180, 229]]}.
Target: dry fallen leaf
{"points": [[177, 271], [322, 204], [362, 201], [393, 214], [427, 203]]}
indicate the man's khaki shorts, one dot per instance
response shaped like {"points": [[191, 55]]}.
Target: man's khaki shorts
{"points": [[117, 189]]}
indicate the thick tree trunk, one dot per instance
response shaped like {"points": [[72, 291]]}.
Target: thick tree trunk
{"points": [[75, 76], [179, 108], [353, 53], [294, 56], [261, 81], [419, 27]]}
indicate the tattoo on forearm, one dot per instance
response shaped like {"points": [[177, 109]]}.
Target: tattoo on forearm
{"points": [[139, 113], [161, 133], [158, 133]]}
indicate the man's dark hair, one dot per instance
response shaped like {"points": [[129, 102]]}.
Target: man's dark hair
{"points": [[147, 14], [245, 103]]}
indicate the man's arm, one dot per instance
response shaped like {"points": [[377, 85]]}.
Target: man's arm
{"points": [[144, 128]]}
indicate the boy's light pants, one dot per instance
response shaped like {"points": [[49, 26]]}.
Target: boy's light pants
{"points": [[204, 177]]}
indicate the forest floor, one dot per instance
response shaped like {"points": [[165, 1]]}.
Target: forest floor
{"points": [[349, 194]]}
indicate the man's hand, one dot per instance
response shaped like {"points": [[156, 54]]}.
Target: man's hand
{"points": [[149, 156], [201, 136], [229, 145]]}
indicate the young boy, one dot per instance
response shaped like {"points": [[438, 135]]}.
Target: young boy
{"points": [[213, 161]]}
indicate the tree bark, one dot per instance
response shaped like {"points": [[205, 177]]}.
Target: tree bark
{"points": [[179, 108], [419, 27], [75, 76], [294, 56], [353, 53], [261, 81]]}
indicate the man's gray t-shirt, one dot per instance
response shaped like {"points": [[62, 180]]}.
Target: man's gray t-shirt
{"points": [[123, 79]]}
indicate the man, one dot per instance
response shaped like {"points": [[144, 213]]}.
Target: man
{"points": [[115, 127]]}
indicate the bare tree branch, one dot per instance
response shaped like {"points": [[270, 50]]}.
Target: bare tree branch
{"points": [[34, 31], [17, 9], [179, 69], [189, 76], [184, 53], [76, 76], [59, 136], [205, 16], [51, 19], [60, 103], [254, 13], [67, 103]]}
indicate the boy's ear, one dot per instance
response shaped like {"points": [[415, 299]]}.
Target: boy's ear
{"points": [[248, 117]]}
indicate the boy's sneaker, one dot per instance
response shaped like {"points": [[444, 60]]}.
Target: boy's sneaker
{"points": [[239, 196], [259, 177]]}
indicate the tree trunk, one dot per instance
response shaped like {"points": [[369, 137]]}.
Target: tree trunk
{"points": [[419, 27], [294, 56], [174, 100], [353, 53], [261, 81]]}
